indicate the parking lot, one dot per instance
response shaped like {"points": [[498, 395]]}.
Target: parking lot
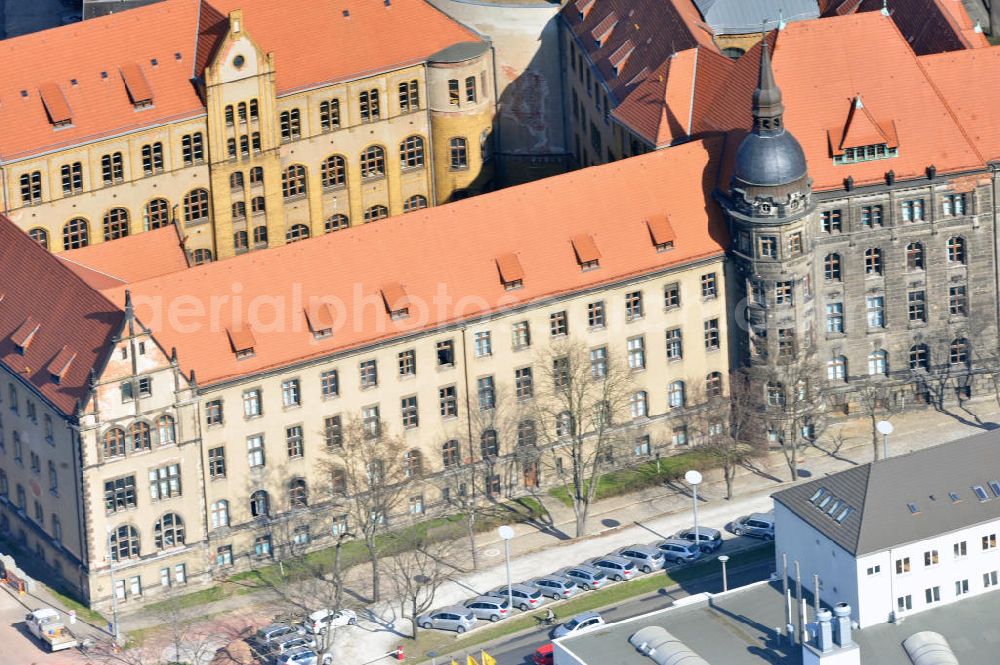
{"points": [[17, 647]]}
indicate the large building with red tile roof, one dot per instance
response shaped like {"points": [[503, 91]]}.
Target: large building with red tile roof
{"points": [[242, 126], [203, 407]]}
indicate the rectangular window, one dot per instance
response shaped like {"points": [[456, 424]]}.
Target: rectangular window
{"points": [[835, 317], [961, 587], [679, 436], [368, 370], [445, 353], [72, 178], [903, 565], [767, 247], [599, 362], [931, 558], [251, 403], [874, 570], [904, 603], [293, 440], [871, 216], [675, 346], [960, 549], [290, 393], [524, 387], [795, 244], [224, 555], [672, 294], [416, 505], [633, 305], [989, 579], [958, 304], [636, 348], [875, 307], [953, 205], [152, 158], [520, 335], [127, 391], [712, 334], [913, 210], [932, 595], [372, 420], [262, 546], [407, 362], [448, 397], [119, 494], [408, 409], [483, 344], [558, 324], [916, 303], [192, 149], [990, 542], [165, 482], [831, 221], [255, 450], [333, 432], [486, 390], [595, 314], [112, 169], [708, 286], [329, 382], [213, 412], [783, 293], [217, 462]]}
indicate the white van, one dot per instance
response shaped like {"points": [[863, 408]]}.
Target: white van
{"points": [[321, 621]]}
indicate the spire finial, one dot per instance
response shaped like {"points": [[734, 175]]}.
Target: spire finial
{"points": [[858, 104], [767, 106], [978, 28], [781, 20], [885, 7], [129, 313]]}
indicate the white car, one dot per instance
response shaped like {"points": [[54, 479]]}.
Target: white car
{"points": [[321, 621], [581, 623]]}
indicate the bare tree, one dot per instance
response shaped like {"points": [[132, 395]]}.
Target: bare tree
{"points": [[368, 478], [416, 573], [728, 426], [576, 398], [877, 401]]}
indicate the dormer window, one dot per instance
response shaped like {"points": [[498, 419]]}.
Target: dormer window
{"points": [[511, 272], [396, 301], [320, 319], [661, 232], [56, 105], [620, 56], [862, 138], [137, 86], [60, 364], [586, 251], [24, 334], [242, 342]]}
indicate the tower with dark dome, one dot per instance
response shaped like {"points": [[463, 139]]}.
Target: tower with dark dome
{"points": [[768, 204]]}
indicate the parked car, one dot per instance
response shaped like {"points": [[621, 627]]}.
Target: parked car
{"points": [[454, 617], [580, 623], [525, 597], [555, 587], [543, 655], [321, 621], [709, 539], [286, 643], [268, 634], [616, 567], [298, 656], [646, 557], [586, 576], [758, 525], [489, 607], [680, 551]]}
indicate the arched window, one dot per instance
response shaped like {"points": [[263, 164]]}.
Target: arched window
{"points": [[449, 453], [413, 464], [200, 256], [527, 433], [915, 256], [373, 162], [258, 205], [459, 152], [873, 261], [76, 233], [368, 105], [298, 494], [241, 112], [919, 357], [124, 542], [260, 236], [958, 351], [956, 250], [140, 437], [376, 213], [336, 222], [836, 369], [257, 175], [239, 210], [639, 404], [291, 125], [196, 206], [260, 505], [415, 202], [489, 443], [675, 394], [713, 384], [115, 223], [296, 233], [329, 114], [156, 214], [241, 240], [169, 531], [229, 115], [114, 443], [878, 363], [220, 514], [411, 152], [31, 188], [338, 480], [333, 172], [236, 181], [165, 430], [831, 268], [293, 181], [39, 235]]}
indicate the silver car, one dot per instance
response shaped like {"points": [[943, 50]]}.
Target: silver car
{"points": [[616, 567], [455, 617], [525, 597], [265, 636], [555, 587], [709, 539], [299, 656], [646, 557], [586, 576], [680, 551], [291, 641], [758, 525], [579, 624], [489, 607]]}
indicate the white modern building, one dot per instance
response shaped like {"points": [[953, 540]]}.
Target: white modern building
{"points": [[898, 536]]}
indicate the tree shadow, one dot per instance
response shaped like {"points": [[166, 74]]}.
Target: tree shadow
{"points": [[760, 471]]}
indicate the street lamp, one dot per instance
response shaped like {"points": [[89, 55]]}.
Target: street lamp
{"points": [[116, 633], [884, 428], [725, 582], [507, 533], [693, 478]]}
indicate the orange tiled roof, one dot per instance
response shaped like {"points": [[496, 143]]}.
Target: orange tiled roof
{"points": [[88, 62], [444, 252], [969, 81], [929, 26], [64, 327], [130, 259]]}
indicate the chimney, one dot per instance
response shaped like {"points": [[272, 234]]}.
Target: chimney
{"points": [[824, 630], [842, 625]]}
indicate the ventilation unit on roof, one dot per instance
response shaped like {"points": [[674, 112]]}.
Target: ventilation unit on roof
{"points": [[397, 304], [321, 320], [511, 272], [242, 342], [586, 251]]}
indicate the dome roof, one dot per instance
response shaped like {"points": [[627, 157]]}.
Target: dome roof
{"points": [[769, 159]]}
